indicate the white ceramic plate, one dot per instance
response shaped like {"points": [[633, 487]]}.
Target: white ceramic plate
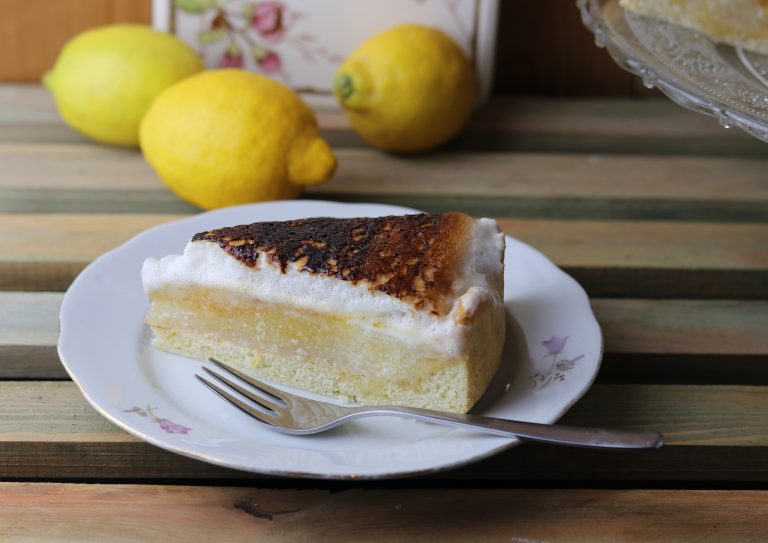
{"points": [[552, 354]]}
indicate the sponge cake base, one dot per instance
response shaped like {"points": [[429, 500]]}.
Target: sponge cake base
{"points": [[351, 359]]}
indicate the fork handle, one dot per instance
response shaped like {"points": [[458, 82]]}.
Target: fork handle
{"points": [[546, 433]]}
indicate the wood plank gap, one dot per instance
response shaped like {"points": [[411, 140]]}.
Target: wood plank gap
{"points": [[665, 283], [435, 481], [683, 369], [687, 465]]}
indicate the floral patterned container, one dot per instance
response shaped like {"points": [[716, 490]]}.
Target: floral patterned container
{"points": [[302, 42]]}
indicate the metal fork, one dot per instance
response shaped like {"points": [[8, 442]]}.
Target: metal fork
{"points": [[296, 415]]}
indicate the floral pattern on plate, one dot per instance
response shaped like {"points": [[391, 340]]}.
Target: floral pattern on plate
{"points": [[558, 366], [170, 427]]}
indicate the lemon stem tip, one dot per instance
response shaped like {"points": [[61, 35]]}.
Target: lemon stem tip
{"points": [[344, 85]]}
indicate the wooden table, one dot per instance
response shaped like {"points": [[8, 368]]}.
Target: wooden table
{"points": [[660, 214]]}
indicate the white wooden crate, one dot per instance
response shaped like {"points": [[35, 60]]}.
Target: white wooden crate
{"points": [[302, 42]]}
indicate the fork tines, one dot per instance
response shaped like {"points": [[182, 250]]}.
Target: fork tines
{"points": [[266, 400]]}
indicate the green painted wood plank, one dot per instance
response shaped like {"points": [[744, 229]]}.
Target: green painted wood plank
{"points": [[713, 433], [29, 330], [92, 201], [149, 201], [611, 259], [47, 178], [571, 208], [646, 341], [369, 172], [657, 126]]}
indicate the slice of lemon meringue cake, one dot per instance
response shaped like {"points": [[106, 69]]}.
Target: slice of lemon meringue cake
{"points": [[403, 310]]}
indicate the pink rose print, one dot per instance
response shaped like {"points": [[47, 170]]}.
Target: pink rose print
{"points": [[231, 60], [267, 20], [253, 35], [172, 427], [270, 62], [555, 345]]}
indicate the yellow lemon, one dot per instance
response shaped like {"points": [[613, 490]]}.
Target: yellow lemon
{"points": [[105, 79], [407, 89], [227, 137]]}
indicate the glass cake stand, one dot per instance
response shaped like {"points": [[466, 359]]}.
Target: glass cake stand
{"points": [[726, 82]]}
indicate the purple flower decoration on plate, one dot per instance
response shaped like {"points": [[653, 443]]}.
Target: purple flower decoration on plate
{"points": [[172, 427], [167, 425], [557, 368], [555, 345]]}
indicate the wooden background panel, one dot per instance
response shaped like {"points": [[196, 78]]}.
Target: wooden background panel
{"points": [[542, 46], [33, 31]]}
